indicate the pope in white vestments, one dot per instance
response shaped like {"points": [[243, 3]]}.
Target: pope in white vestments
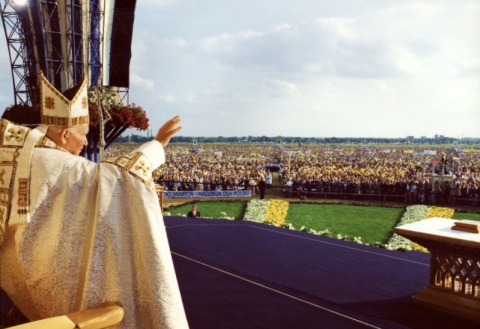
{"points": [[76, 233]]}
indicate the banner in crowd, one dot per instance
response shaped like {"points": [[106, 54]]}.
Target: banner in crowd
{"points": [[207, 194]]}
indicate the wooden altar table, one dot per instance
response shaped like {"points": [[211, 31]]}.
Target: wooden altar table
{"points": [[454, 283]]}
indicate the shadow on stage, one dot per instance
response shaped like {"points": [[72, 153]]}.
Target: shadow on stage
{"points": [[240, 274]]}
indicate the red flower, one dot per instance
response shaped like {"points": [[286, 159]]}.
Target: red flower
{"points": [[130, 116]]}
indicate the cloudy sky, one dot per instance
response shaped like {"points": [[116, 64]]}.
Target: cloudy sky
{"points": [[312, 68]]}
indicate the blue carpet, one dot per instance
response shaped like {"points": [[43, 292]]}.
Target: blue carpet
{"points": [[238, 274]]}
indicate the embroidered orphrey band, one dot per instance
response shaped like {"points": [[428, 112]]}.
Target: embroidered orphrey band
{"points": [[64, 122], [23, 196]]}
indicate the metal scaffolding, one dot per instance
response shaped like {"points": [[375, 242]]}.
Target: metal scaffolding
{"points": [[64, 39], [19, 53]]}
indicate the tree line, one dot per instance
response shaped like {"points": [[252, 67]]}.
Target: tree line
{"points": [[302, 140]]}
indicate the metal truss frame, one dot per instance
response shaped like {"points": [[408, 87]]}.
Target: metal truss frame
{"points": [[75, 62], [33, 37], [19, 53], [96, 41]]}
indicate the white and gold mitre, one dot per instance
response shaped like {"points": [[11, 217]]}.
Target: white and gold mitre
{"points": [[58, 110]]}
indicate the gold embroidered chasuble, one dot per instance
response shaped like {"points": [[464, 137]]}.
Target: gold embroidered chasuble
{"points": [[96, 234]]}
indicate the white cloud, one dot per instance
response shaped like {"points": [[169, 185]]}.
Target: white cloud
{"points": [[219, 43], [137, 81], [176, 43], [468, 69], [375, 68], [405, 61], [324, 46], [384, 87], [167, 98], [367, 74], [159, 2], [336, 27], [317, 107], [282, 88]]}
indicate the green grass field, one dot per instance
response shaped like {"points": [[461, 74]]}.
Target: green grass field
{"points": [[374, 225], [213, 209], [463, 215]]}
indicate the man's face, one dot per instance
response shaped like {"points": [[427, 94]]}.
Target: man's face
{"points": [[76, 139]]}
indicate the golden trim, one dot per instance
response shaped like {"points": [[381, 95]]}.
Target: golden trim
{"points": [[5, 197], [45, 142], [127, 162], [65, 122], [22, 192], [12, 135]]}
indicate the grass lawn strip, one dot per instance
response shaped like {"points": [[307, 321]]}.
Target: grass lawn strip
{"points": [[368, 225], [363, 224], [211, 209]]}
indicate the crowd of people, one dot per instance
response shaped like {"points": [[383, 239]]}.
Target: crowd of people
{"points": [[437, 175], [420, 176]]}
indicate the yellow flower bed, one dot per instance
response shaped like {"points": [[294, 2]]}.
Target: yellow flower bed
{"points": [[434, 212], [440, 212], [276, 212]]}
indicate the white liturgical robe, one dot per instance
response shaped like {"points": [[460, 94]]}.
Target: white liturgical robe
{"points": [[96, 234]]}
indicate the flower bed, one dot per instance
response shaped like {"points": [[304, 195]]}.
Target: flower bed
{"points": [[440, 212], [267, 211], [411, 215], [256, 210], [276, 212]]}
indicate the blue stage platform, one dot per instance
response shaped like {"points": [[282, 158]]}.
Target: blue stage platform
{"points": [[239, 274]]}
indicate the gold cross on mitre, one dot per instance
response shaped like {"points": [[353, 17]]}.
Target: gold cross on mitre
{"points": [[66, 110]]}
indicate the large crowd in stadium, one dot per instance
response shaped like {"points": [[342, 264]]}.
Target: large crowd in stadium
{"points": [[433, 175]]}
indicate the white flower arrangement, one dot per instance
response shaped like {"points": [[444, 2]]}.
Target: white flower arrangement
{"points": [[224, 215], [357, 239], [412, 214], [110, 97], [288, 226], [272, 212], [256, 210], [324, 232], [180, 215]]}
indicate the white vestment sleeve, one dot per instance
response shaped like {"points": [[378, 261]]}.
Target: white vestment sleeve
{"points": [[153, 150]]}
